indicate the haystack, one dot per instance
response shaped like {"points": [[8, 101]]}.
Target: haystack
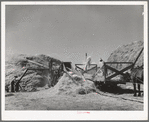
{"points": [[16, 65], [68, 86], [127, 53]]}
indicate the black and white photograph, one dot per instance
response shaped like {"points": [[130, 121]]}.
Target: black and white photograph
{"points": [[74, 60]]}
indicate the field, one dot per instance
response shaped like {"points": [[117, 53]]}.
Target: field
{"points": [[46, 99], [64, 96]]}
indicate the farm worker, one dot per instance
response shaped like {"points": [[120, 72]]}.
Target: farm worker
{"points": [[88, 63], [13, 84], [17, 86], [101, 65], [6, 88], [54, 73]]}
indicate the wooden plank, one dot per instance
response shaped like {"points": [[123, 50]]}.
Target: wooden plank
{"points": [[91, 69], [83, 64], [79, 64], [111, 68], [37, 63], [79, 68], [86, 56], [97, 72], [118, 62], [23, 75], [70, 77], [137, 58], [88, 69], [105, 71], [123, 70], [37, 69]]}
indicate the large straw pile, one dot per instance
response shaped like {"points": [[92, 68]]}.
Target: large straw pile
{"points": [[68, 86], [127, 53], [15, 65]]}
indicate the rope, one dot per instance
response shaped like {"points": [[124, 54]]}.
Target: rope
{"points": [[103, 94]]}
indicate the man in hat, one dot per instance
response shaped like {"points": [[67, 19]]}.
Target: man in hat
{"points": [[101, 65], [13, 84]]}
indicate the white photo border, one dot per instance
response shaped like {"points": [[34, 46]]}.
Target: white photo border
{"points": [[72, 115]]}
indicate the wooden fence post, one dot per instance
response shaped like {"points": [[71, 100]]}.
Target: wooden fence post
{"points": [[137, 58], [105, 72]]}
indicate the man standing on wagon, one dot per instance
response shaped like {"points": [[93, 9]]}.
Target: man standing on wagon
{"points": [[101, 65]]}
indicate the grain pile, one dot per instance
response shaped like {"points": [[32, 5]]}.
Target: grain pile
{"points": [[127, 53], [67, 86]]}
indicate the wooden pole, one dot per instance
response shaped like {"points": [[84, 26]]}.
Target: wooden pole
{"points": [[37, 63], [23, 75], [119, 62], [38, 69], [105, 71], [137, 58]]}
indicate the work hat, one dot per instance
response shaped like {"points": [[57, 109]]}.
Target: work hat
{"points": [[100, 59]]}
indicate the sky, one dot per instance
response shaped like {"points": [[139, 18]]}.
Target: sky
{"points": [[67, 32]]}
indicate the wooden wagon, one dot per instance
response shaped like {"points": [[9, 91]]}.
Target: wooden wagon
{"points": [[108, 78], [130, 66]]}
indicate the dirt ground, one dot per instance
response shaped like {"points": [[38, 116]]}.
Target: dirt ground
{"points": [[45, 99]]}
